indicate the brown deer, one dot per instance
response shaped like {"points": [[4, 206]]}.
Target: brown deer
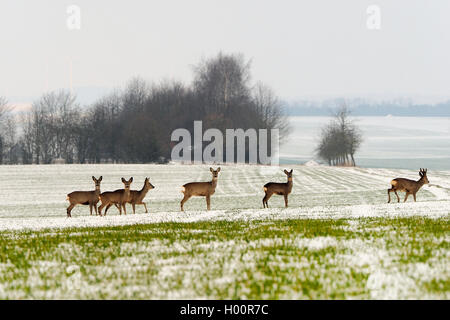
{"points": [[119, 197], [278, 188], [408, 186], [136, 196], [90, 198], [202, 189]]}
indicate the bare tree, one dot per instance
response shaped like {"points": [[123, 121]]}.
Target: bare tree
{"points": [[270, 110], [340, 139], [5, 145]]}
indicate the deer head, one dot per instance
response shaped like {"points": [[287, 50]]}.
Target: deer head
{"points": [[97, 182], [148, 185], [215, 173], [289, 174], [423, 175], [127, 183]]}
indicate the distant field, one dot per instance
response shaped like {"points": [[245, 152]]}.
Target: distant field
{"points": [[338, 240], [389, 142]]}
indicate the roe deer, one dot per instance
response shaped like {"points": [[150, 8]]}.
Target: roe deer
{"points": [[85, 197], [119, 197], [204, 189], [136, 196], [278, 188], [408, 186]]}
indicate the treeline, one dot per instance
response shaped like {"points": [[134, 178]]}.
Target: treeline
{"points": [[359, 107], [134, 125]]}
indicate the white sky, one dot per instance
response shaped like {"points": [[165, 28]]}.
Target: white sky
{"points": [[300, 48]]}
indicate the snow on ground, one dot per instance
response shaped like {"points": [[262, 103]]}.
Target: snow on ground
{"points": [[33, 197]]}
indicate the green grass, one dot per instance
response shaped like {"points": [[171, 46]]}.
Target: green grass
{"points": [[290, 259]]}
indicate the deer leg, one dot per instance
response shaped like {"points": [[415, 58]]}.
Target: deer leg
{"points": [[186, 198], [133, 205], [208, 203], [124, 208], [90, 208], [286, 200], [69, 209], [389, 195], [266, 199], [100, 208], [398, 198], [95, 208], [145, 206], [414, 197], [107, 208], [406, 196]]}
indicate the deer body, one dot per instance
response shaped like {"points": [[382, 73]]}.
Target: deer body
{"points": [[408, 186], [118, 197], [282, 189], [137, 196], [90, 198], [202, 189]]}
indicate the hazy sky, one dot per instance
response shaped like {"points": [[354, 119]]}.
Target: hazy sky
{"points": [[300, 48]]}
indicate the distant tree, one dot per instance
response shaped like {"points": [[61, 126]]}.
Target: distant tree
{"points": [[340, 139], [227, 98], [50, 127], [270, 110], [5, 126]]}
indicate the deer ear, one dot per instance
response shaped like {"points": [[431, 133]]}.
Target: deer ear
{"points": [[123, 180], [292, 170], [101, 178], [131, 179], [211, 169], [285, 171], [93, 178], [218, 169]]}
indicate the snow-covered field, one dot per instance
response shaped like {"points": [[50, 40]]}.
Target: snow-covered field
{"points": [[34, 197], [338, 239]]}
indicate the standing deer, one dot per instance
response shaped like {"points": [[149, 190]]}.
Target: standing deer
{"points": [[278, 188], [408, 186], [85, 197], [136, 196], [203, 189], [117, 197]]}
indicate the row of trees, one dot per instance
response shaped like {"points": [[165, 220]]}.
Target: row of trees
{"points": [[134, 125], [339, 140]]}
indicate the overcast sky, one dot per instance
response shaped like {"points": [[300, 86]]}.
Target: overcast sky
{"points": [[300, 48]]}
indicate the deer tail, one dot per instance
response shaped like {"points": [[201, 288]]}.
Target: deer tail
{"points": [[183, 189], [265, 189]]}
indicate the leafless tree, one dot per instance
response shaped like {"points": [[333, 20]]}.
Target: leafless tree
{"points": [[340, 139]]}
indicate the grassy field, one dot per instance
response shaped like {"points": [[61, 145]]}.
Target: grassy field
{"points": [[338, 240]]}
